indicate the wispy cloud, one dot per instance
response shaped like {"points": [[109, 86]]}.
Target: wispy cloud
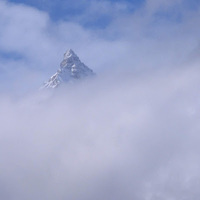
{"points": [[133, 40], [130, 133], [129, 137]]}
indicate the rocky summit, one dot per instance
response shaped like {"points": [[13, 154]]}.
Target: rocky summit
{"points": [[71, 69]]}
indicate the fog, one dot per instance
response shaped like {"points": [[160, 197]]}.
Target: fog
{"points": [[133, 137], [129, 133]]}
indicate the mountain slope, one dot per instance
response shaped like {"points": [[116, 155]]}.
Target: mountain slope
{"points": [[71, 69]]}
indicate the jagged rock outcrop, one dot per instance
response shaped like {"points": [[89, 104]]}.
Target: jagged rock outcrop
{"points": [[71, 69]]}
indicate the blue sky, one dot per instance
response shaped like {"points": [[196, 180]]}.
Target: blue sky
{"points": [[62, 8], [105, 34], [132, 132], [72, 10]]}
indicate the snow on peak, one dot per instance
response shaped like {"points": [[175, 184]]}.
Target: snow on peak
{"points": [[71, 69], [69, 53]]}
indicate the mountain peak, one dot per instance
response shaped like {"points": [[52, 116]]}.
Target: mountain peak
{"points": [[71, 69], [69, 53], [69, 57]]}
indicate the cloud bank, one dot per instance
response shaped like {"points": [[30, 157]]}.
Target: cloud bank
{"points": [[132, 138], [130, 133]]}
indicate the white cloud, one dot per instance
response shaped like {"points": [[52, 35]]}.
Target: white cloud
{"points": [[131, 42], [124, 138], [130, 133], [155, 5]]}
